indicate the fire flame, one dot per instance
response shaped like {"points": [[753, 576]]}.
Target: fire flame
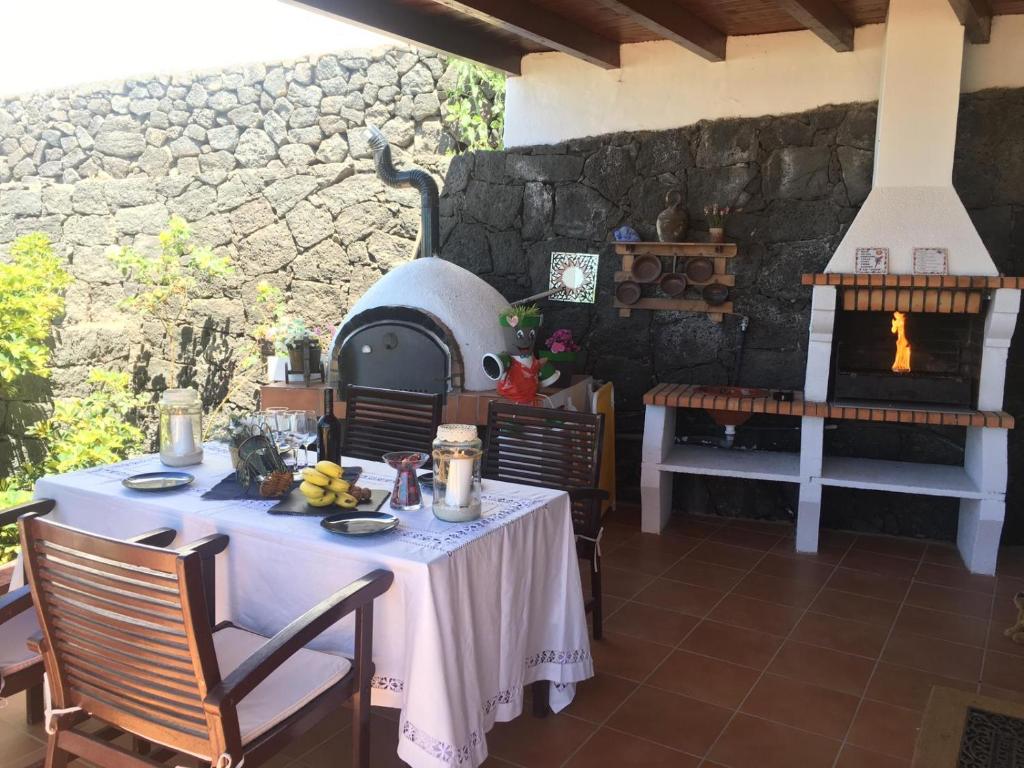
{"points": [[899, 327]]}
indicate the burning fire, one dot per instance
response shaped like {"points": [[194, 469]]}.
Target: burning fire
{"points": [[899, 327]]}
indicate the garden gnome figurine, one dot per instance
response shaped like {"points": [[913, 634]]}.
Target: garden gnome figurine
{"points": [[518, 371]]}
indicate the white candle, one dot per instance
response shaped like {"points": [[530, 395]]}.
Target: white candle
{"points": [[460, 482], [183, 441]]}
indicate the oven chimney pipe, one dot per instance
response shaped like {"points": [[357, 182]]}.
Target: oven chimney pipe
{"points": [[430, 234]]}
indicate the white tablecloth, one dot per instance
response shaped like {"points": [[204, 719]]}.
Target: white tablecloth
{"points": [[477, 611]]}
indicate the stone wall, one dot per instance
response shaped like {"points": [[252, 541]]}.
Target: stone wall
{"points": [[266, 162], [798, 180]]}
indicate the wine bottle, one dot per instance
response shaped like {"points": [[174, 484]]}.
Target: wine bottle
{"points": [[328, 432]]}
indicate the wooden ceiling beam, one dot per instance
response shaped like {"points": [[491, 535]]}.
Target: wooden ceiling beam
{"points": [[824, 19], [540, 25], [442, 33], [976, 16], [672, 22]]}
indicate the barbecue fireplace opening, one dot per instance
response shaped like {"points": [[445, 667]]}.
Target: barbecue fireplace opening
{"points": [[905, 358]]}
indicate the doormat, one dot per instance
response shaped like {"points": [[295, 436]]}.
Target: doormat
{"points": [[965, 730]]}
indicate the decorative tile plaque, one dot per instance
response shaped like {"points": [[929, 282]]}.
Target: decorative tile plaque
{"points": [[872, 261], [931, 261]]}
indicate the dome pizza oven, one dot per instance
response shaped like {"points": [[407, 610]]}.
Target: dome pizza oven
{"points": [[424, 326]]}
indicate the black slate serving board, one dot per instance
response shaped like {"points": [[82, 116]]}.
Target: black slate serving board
{"points": [[295, 504], [229, 489]]}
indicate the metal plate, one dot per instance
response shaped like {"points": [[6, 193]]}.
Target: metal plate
{"points": [[157, 481], [360, 523]]}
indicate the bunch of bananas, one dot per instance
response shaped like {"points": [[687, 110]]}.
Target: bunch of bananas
{"points": [[323, 486]]}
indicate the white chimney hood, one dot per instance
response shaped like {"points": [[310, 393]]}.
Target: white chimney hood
{"points": [[912, 202]]}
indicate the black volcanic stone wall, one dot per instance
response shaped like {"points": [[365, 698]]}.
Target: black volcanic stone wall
{"points": [[798, 180]]}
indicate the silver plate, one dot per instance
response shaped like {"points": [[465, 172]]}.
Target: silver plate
{"points": [[360, 523], [157, 481]]}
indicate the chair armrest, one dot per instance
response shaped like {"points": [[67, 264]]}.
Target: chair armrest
{"points": [[14, 602], [158, 537], [37, 643], [295, 636], [208, 546], [39, 506]]}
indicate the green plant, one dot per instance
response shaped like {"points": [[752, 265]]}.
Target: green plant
{"points": [[287, 330], [475, 107], [31, 298], [166, 285]]}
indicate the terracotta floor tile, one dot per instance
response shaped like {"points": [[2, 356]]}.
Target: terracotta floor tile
{"points": [[871, 562], [620, 583], [856, 608], [956, 577], [630, 558], [725, 554], [754, 614], [808, 707], [827, 554], [997, 640], [906, 687], [1008, 586], [877, 586], [1011, 562], [1001, 693], [538, 742], [890, 545], [820, 666], [806, 571], [699, 677], [677, 596], [616, 535], [1003, 671], [774, 589], [856, 637], [929, 654], [950, 600], [944, 626], [743, 537], [651, 623], [749, 648], [943, 554], [857, 757], [653, 543], [336, 752], [705, 575], [628, 657], [749, 742], [886, 729], [671, 720], [613, 749], [697, 527], [599, 696]]}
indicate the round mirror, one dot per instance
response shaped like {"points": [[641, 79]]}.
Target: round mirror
{"points": [[573, 277]]}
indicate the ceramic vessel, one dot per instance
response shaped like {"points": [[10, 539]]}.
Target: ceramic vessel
{"points": [[716, 234], [673, 221]]}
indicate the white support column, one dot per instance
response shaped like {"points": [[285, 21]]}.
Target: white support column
{"points": [[808, 516], [999, 326], [978, 532], [985, 458], [819, 343], [656, 485]]}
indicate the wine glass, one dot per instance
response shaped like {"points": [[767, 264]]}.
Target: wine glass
{"points": [[302, 428]]}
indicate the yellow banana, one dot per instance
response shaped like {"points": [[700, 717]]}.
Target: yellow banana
{"points": [[316, 478], [329, 468], [311, 491], [338, 486], [346, 501], [324, 501]]}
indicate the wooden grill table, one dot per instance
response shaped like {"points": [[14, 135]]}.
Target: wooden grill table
{"points": [[477, 611]]}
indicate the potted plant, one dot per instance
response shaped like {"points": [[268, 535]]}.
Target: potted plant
{"points": [[562, 353], [716, 216], [302, 345]]}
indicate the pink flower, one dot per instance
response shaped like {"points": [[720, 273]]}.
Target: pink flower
{"points": [[557, 347]]}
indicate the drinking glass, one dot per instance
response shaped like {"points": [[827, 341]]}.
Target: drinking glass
{"points": [[302, 426]]}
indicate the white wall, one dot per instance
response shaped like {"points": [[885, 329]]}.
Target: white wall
{"points": [[660, 85]]}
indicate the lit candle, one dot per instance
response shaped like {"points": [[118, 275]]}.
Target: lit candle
{"points": [[183, 440], [460, 481]]}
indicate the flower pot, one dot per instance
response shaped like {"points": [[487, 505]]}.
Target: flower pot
{"points": [[716, 234], [304, 357]]}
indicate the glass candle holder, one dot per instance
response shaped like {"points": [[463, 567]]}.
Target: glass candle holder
{"points": [[406, 495], [457, 452], [181, 428]]}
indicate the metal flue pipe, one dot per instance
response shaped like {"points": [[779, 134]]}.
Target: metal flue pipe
{"points": [[430, 232]]}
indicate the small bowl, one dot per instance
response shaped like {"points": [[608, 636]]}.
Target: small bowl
{"points": [[646, 268], [700, 270], [628, 292], [673, 284], [715, 294]]}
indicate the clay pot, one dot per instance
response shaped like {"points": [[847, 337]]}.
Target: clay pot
{"points": [[716, 234], [700, 270], [628, 292], [715, 294], [673, 284], [673, 221], [646, 268]]}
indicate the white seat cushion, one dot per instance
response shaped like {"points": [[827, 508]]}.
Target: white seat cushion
{"points": [[288, 689], [14, 634]]}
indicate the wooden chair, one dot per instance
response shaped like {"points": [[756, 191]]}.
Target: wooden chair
{"points": [[378, 421], [128, 638], [554, 449], [21, 669]]}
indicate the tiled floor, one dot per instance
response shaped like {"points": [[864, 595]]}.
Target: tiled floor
{"points": [[725, 649]]}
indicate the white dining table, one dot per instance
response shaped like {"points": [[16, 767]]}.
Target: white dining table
{"points": [[477, 611]]}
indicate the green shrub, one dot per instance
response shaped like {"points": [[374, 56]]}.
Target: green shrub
{"points": [[475, 107]]}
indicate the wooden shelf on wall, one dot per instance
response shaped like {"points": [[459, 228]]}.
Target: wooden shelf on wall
{"points": [[719, 253]]}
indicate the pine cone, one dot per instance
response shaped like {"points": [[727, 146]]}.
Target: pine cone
{"points": [[276, 484]]}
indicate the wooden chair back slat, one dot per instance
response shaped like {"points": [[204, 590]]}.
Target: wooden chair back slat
{"points": [[128, 632], [379, 421]]}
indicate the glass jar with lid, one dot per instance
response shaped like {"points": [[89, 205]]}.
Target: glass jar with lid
{"points": [[457, 452], [181, 428]]}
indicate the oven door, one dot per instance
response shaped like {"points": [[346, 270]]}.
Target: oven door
{"points": [[395, 355]]}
